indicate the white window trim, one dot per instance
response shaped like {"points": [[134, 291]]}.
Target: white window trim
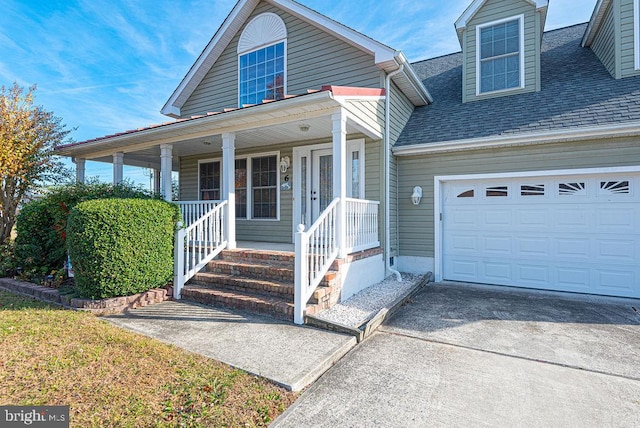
{"points": [[249, 158], [438, 196], [257, 49], [636, 33], [479, 28]]}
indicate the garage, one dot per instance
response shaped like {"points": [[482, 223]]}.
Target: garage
{"points": [[576, 232]]}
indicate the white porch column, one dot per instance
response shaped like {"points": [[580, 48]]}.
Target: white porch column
{"points": [[156, 180], [229, 185], [80, 169], [118, 163], [340, 177], [166, 166]]}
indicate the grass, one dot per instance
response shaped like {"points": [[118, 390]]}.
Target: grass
{"points": [[112, 377]]}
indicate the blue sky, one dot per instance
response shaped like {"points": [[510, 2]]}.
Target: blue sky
{"points": [[109, 66]]}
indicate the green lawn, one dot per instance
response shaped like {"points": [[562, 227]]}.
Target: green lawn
{"points": [[112, 377]]}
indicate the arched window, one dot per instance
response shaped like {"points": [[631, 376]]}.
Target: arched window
{"points": [[262, 60]]}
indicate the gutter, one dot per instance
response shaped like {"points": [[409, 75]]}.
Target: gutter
{"points": [[547, 137], [412, 77], [387, 181]]}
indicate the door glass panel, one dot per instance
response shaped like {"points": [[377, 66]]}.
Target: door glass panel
{"points": [[303, 189], [325, 184], [355, 175]]}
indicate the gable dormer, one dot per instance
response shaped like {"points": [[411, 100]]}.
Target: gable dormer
{"points": [[614, 36], [500, 42]]}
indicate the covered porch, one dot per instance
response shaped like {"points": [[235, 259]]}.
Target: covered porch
{"points": [[313, 202]]}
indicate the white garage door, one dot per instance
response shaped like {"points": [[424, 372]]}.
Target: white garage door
{"points": [[569, 233]]}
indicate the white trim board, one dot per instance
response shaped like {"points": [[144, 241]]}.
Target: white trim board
{"points": [[546, 137], [440, 180]]}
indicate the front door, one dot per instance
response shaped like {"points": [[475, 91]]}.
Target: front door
{"points": [[313, 179]]}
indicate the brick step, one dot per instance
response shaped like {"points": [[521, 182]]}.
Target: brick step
{"points": [[273, 306], [244, 284], [252, 270], [280, 258], [266, 272]]}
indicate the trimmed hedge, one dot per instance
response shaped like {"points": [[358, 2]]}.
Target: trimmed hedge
{"points": [[40, 242], [120, 247]]}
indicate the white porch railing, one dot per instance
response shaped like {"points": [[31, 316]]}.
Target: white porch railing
{"points": [[198, 243], [193, 210], [362, 225], [316, 249]]}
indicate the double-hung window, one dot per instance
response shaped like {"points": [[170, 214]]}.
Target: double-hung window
{"points": [[209, 181], [256, 185], [500, 47]]}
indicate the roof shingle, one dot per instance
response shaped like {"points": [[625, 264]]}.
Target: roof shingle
{"points": [[577, 91]]}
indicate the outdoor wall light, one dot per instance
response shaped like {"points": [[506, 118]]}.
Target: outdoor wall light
{"points": [[417, 195], [304, 127], [285, 162]]}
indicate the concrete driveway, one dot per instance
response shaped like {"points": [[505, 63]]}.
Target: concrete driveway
{"points": [[467, 355]]}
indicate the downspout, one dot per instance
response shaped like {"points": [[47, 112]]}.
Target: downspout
{"points": [[387, 169]]}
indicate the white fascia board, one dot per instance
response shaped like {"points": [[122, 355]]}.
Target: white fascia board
{"points": [[548, 137], [381, 52], [195, 73], [471, 11], [595, 22], [414, 80]]}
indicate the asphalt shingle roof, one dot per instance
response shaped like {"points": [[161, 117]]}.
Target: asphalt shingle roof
{"points": [[577, 91]]}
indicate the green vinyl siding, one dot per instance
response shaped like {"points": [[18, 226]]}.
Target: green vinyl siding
{"points": [[627, 41], [494, 10], [604, 43], [314, 59], [416, 222]]}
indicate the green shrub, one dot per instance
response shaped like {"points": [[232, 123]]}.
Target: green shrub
{"points": [[40, 242], [7, 260], [120, 247]]}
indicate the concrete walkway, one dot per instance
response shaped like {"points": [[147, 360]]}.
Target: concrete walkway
{"points": [[464, 355], [292, 356]]}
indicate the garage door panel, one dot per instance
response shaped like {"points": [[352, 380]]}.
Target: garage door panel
{"points": [[571, 218], [614, 280], [498, 272], [616, 250], [463, 244], [497, 245], [573, 278], [530, 246], [531, 274], [497, 218], [464, 270], [572, 247], [465, 217], [578, 234], [617, 220], [533, 218]]}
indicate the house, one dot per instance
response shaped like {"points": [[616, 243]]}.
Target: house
{"points": [[513, 162]]}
